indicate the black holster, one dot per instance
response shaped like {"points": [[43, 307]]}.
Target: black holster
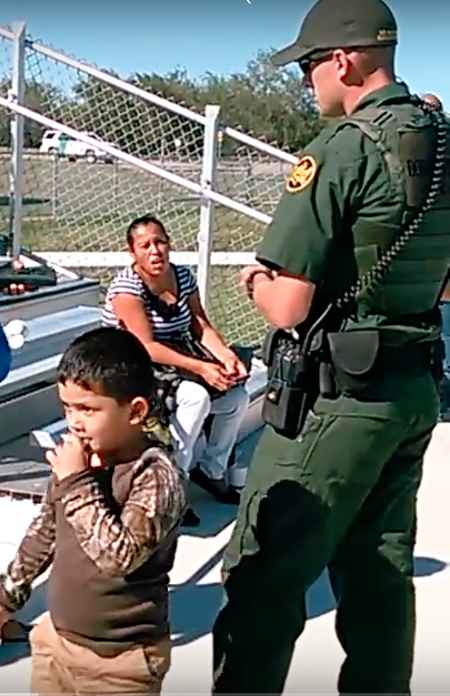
{"points": [[293, 381]]}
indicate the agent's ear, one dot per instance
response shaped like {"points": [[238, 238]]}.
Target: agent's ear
{"points": [[139, 410], [342, 63]]}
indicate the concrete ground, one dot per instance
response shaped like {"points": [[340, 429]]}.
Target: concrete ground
{"points": [[196, 596]]}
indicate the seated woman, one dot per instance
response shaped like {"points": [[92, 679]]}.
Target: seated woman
{"points": [[159, 302]]}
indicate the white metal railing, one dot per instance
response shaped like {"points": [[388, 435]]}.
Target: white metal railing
{"points": [[204, 191], [166, 158]]}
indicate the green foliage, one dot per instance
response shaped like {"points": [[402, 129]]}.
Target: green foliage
{"points": [[264, 100], [269, 102]]}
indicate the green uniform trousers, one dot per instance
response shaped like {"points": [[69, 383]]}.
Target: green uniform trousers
{"points": [[342, 496]]}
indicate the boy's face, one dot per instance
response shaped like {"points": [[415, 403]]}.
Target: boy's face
{"points": [[105, 426]]}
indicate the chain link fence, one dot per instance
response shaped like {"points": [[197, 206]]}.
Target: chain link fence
{"points": [[77, 200]]}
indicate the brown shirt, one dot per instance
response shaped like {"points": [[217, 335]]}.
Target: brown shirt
{"points": [[111, 535]]}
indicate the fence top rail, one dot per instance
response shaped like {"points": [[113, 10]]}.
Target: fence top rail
{"points": [[204, 192], [125, 86], [7, 33]]}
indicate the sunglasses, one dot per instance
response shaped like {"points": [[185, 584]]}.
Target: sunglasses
{"points": [[311, 62]]}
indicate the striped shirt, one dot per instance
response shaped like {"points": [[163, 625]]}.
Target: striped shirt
{"points": [[167, 321]]}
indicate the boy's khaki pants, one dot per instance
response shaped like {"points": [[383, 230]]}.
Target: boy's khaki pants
{"points": [[60, 666]]}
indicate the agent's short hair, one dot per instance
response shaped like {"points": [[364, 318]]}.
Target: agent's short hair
{"points": [[111, 362]]}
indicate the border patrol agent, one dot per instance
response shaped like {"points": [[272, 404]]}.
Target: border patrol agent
{"points": [[342, 494]]}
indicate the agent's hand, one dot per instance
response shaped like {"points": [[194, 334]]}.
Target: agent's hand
{"points": [[247, 275], [215, 376], [70, 457]]}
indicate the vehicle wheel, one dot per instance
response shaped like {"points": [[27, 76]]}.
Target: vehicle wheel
{"points": [[71, 158], [90, 157], [53, 151]]}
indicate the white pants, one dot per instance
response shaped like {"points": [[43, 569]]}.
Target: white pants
{"points": [[193, 406]]}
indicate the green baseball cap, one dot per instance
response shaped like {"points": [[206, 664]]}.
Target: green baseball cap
{"points": [[341, 24]]}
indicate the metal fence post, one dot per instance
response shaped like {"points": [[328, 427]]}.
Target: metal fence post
{"points": [[206, 205], [55, 168], [16, 95]]}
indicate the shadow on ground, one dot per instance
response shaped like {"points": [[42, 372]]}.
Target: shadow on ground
{"points": [[195, 606]]}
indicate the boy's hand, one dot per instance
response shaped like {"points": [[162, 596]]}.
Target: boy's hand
{"points": [[5, 616], [68, 458]]}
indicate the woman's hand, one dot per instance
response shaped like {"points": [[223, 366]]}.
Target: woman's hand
{"points": [[70, 457], [215, 376], [234, 368]]}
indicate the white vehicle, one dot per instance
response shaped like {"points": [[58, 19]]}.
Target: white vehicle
{"points": [[57, 143], [51, 141], [77, 149]]}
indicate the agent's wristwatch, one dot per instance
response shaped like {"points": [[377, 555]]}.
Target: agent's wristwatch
{"points": [[249, 284]]}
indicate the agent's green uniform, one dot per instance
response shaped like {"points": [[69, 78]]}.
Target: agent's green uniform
{"points": [[343, 494]]}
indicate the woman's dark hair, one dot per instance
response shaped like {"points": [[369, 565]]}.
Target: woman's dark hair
{"points": [[142, 221], [109, 361]]}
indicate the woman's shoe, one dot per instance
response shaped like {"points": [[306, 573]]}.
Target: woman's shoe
{"points": [[216, 487], [190, 519]]}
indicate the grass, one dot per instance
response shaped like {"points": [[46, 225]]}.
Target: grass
{"points": [[81, 207]]}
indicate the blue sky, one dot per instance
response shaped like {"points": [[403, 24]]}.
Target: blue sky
{"points": [[219, 36]]}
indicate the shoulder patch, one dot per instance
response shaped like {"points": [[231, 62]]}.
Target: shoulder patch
{"points": [[302, 174]]}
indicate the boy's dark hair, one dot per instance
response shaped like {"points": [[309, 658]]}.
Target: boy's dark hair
{"points": [[142, 221], [109, 361]]}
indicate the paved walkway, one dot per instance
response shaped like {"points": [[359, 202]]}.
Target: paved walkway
{"points": [[196, 596]]}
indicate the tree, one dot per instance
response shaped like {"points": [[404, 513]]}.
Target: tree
{"points": [[38, 95], [269, 102]]}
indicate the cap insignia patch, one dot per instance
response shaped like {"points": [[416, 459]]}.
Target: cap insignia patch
{"points": [[387, 35], [302, 174]]}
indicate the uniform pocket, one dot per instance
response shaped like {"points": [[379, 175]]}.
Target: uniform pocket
{"points": [[295, 453]]}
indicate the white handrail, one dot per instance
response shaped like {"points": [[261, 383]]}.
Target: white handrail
{"points": [[115, 81], [152, 98], [257, 144], [6, 33], [139, 163]]}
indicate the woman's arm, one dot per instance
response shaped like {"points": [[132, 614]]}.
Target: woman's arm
{"points": [[205, 331], [445, 297], [212, 339], [130, 311]]}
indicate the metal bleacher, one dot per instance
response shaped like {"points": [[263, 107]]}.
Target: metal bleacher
{"points": [[53, 317], [28, 396]]}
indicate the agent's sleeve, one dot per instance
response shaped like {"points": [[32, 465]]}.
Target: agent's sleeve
{"points": [[319, 194], [33, 557], [118, 543]]}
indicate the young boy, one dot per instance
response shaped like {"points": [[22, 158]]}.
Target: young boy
{"points": [[108, 524]]}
